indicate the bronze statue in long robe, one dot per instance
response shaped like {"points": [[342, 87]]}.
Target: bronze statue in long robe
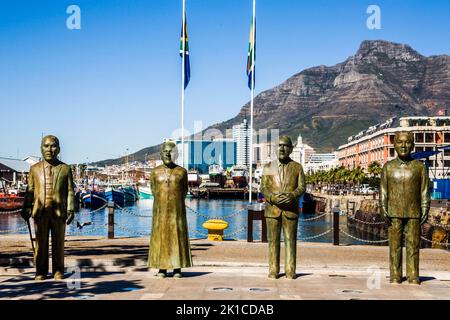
{"points": [[169, 241]]}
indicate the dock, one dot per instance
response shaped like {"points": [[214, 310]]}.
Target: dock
{"points": [[222, 193]]}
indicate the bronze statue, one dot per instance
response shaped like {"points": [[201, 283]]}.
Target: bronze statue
{"points": [[169, 240], [282, 184], [404, 202], [49, 199]]}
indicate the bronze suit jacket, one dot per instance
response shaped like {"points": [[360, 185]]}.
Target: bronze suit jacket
{"points": [[294, 182], [404, 189], [63, 194]]}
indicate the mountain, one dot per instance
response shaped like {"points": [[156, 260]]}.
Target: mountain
{"points": [[328, 104]]}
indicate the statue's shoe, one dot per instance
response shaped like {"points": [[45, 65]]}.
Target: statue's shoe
{"points": [[58, 275], [161, 274], [395, 280], [414, 281], [273, 275], [291, 276], [40, 277], [177, 273]]}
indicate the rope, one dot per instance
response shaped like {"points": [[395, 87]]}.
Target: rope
{"points": [[199, 233], [125, 229], [313, 218], [363, 240], [437, 224], [213, 217], [435, 242], [90, 230], [316, 236], [10, 212], [14, 230], [94, 211], [231, 235], [125, 210], [366, 222]]}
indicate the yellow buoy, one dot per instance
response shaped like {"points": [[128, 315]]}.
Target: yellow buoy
{"points": [[215, 229]]}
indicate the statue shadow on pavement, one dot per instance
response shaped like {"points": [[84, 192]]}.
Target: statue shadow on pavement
{"points": [[26, 288]]}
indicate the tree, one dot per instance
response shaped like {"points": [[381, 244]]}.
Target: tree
{"points": [[374, 169]]}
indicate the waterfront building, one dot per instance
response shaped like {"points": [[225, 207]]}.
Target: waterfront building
{"points": [[376, 143], [241, 136], [321, 162], [302, 152], [200, 154], [13, 171], [264, 153]]}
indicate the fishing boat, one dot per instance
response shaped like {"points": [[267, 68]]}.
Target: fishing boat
{"points": [[216, 174], [145, 192], [10, 202], [130, 194], [194, 179], [93, 199], [115, 194], [239, 173]]}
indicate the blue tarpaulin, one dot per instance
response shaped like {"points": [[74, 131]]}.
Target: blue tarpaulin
{"points": [[423, 154]]}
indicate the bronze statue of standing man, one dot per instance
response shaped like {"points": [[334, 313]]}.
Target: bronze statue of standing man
{"points": [[404, 202], [49, 199], [169, 240], [282, 184]]}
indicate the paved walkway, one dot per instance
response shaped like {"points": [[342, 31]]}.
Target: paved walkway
{"points": [[115, 269]]}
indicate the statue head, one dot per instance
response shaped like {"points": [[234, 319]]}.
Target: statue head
{"points": [[285, 148], [168, 153], [50, 148], [404, 143]]}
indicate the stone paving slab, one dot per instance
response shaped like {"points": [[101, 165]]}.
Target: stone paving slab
{"points": [[223, 283], [116, 269]]}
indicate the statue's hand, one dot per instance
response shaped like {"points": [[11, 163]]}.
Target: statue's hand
{"points": [[386, 218], [70, 217], [275, 198], [26, 213], [284, 199], [291, 198], [424, 217]]}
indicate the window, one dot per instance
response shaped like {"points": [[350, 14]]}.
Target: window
{"points": [[418, 137], [429, 137], [419, 149], [391, 152], [446, 153], [428, 148], [391, 139], [447, 137], [447, 163]]}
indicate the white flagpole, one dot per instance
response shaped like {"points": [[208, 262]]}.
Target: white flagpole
{"points": [[251, 103], [182, 81]]}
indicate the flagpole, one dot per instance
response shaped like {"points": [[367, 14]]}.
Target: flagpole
{"points": [[252, 94], [182, 81]]}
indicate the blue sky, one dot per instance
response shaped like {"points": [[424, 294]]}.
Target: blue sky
{"points": [[115, 84]]}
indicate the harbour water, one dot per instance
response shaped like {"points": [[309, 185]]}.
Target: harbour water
{"points": [[136, 220]]}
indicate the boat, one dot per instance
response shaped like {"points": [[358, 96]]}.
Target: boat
{"points": [[216, 174], [130, 194], [93, 199], [194, 179], [116, 195], [239, 173], [145, 192], [206, 185], [10, 202], [258, 175]]}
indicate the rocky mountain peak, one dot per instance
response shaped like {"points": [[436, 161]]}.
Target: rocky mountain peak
{"points": [[382, 49]]}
